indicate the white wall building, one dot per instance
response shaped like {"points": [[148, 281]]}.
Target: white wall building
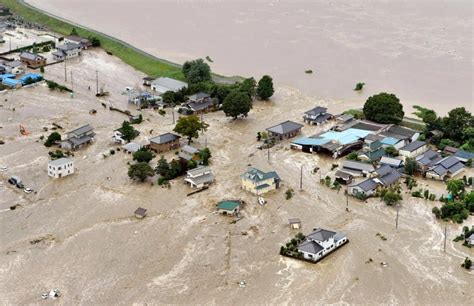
{"points": [[321, 242], [60, 167]]}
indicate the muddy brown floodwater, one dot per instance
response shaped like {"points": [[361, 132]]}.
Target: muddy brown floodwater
{"points": [[419, 50], [78, 234]]}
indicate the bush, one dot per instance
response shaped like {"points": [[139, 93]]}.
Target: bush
{"points": [[359, 86], [289, 193], [143, 156], [352, 156], [52, 139], [467, 264], [437, 212]]}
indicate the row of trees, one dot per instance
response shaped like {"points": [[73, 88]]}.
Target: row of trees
{"points": [[459, 206], [456, 129]]}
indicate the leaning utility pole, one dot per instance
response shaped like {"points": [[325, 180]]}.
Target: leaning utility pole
{"points": [[301, 178], [396, 219], [65, 70], [347, 200], [445, 235], [72, 82], [97, 81]]}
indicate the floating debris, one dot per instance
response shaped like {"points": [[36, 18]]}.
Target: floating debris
{"points": [[308, 71], [242, 284]]}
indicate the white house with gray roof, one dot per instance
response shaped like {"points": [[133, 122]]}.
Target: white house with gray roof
{"points": [[357, 169], [68, 50], [413, 149], [60, 167], [367, 187], [284, 130], [164, 84], [317, 115], [199, 177], [320, 243]]}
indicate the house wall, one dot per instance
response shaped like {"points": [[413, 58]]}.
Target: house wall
{"points": [[355, 189], [33, 63], [250, 186], [406, 154], [284, 136], [61, 170], [328, 245], [164, 147]]}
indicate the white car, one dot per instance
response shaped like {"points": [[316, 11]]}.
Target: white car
{"points": [[27, 190], [3, 168], [261, 201]]}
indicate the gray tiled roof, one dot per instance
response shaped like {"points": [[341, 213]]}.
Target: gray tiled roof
{"points": [[412, 146], [357, 166], [321, 235], [310, 247], [316, 111], [169, 83], [384, 170], [343, 175], [390, 178], [82, 130], [60, 161], [164, 138], [69, 47], [285, 127], [402, 131], [199, 96], [367, 185], [31, 56], [395, 162]]}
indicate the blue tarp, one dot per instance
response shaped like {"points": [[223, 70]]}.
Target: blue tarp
{"points": [[389, 141], [7, 76], [34, 76], [305, 141], [10, 82]]}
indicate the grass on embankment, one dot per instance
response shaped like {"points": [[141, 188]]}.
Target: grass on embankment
{"points": [[142, 62]]}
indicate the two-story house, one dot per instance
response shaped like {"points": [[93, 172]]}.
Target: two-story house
{"points": [[68, 50], [60, 167], [317, 115], [78, 138], [259, 182], [199, 177]]}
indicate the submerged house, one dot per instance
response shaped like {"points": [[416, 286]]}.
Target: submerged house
{"points": [[200, 102], [229, 207], [426, 160], [68, 50], [335, 143], [447, 167], [320, 243], [284, 130], [317, 115], [165, 142], [387, 176], [74, 39], [32, 60], [357, 169], [78, 138], [367, 188], [60, 167], [393, 162], [464, 156], [188, 153], [199, 177], [259, 182], [413, 149], [164, 84]]}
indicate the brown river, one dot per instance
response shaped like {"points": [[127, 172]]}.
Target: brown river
{"points": [[420, 50]]}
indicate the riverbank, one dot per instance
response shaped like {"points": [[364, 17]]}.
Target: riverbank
{"points": [[136, 58]]}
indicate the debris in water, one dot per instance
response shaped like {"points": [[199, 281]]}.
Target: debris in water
{"points": [[242, 284]]}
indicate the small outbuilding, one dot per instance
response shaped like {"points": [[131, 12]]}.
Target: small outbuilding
{"points": [[140, 213], [295, 223], [229, 207], [285, 130]]}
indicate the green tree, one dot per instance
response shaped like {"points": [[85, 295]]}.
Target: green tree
{"points": [[455, 187], [74, 32], [352, 156], [52, 138], [437, 212], [428, 116], [467, 264], [143, 156], [94, 41], [458, 120], [392, 197], [162, 168], [128, 131], [169, 97], [249, 86], [237, 104], [140, 171], [190, 126], [410, 166], [204, 156], [265, 88], [384, 108], [196, 71], [391, 151]]}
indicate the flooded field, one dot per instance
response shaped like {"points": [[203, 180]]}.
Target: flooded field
{"points": [[419, 50], [78, 234]]}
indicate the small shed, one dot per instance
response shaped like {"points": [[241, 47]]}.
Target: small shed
{"points": [[140, 213], [344, 177], [229, 207], [295, 223], [147, 81]]}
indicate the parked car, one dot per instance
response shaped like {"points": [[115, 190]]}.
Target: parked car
{"points": [[27, 190], [3, 168], [14, 180], [20, 185]]}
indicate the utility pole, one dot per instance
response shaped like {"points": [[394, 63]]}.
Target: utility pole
{"points": [[396, 219], [445, 235], [347, 200], [72, 82], [172, 111], [65, 70], [268, 154], [97, 81], [301, 178], [10, 43]]}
